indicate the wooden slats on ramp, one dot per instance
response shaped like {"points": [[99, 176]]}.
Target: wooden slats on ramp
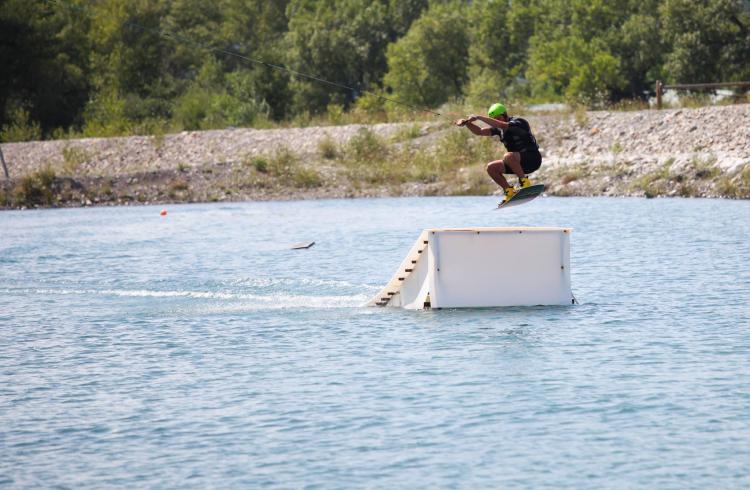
{"points": [[407, 267]]}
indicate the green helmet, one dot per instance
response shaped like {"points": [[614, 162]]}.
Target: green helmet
{"points": [[497, 110]]}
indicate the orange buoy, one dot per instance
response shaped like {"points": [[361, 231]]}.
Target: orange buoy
{"points": [[163, 212]]}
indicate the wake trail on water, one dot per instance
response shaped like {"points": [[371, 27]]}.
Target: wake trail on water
{"points": [[237, 300]]}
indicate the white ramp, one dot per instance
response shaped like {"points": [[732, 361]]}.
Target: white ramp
{"points": [[482, 267]]}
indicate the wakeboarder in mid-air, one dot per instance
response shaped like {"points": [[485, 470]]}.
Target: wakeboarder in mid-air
{"points": [[522, 156]]}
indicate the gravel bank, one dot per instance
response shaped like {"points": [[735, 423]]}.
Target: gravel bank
{"points": [[691, 152]]}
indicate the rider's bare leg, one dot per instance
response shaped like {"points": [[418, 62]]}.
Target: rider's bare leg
{"points": [[512, 161], [495, 170]]}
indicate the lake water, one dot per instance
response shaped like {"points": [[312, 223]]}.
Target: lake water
{"points": [[197, 351]]}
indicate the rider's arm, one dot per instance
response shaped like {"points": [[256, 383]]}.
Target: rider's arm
{"points": [[492, 122], [469, 123], [477, 130]]}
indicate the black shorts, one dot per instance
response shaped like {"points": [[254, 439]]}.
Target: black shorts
{"points": [[530, 162]]}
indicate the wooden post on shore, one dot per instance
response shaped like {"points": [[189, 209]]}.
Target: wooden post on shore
{"points": [[5, 167], [658, 94]]}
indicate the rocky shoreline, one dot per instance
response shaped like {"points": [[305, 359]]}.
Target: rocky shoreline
{"points": [[676, 152]]}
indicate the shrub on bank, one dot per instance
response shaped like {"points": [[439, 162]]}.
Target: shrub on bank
{"points": [[328, 148], [73, 158], [735, 184], [20, 127], [36, 189]]}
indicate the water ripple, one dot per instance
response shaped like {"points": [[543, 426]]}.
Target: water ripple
{"points": [[193, 353]]}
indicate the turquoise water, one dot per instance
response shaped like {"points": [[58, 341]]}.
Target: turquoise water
{"points": [[197, 351]]}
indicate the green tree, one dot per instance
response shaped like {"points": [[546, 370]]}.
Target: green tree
{"points": [[257, 29], [710, 40], [580, 71], [190, 30], [570, 52], [401, 14], [639, 46], [428, 65], [43, 54], [129, 58], [499, 46], [339, 41], [216, 99]]}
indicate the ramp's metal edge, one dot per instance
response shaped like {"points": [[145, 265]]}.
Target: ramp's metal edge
{"points": [[393, 287], [504, 229]]}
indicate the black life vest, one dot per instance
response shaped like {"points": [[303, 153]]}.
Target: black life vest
{"points": [[518, 136]]}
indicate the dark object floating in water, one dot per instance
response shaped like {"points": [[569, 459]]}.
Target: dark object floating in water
{"points": [[300, 246]]}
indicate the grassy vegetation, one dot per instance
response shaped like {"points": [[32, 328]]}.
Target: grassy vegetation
{"points": [[627, 105], [158, 138], [328, 148], [406, 133], [36, 189], [704, 168], [6, 199], [573, 173], [367, 159], [73, 158], [178, 189], [735, 184], [580, 114], [653, 183], [179, 185], [455, 158], [286, 166], [260, 164], [21, 129]]}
